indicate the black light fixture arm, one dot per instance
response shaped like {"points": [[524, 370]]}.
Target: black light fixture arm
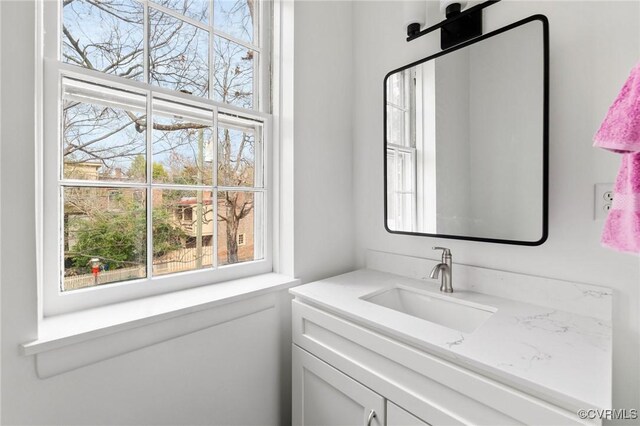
{"points": [[456, 16]]}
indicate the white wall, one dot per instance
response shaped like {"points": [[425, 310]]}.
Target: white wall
{"points": [[452, 147], [324, 194], [226, 374], [593, 47]]}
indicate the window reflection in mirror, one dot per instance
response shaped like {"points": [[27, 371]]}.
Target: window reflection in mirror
{"points": [[401, 149]]}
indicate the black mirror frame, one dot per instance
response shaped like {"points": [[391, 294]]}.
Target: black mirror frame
{"points": [[545, 135]]}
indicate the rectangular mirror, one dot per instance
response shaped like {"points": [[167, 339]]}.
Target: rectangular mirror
{"points": [[466, 139]]}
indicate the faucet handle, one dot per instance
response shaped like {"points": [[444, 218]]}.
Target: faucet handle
{"points": [[445, 251]]}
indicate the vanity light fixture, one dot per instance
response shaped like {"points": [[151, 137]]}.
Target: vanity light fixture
{"points": [[459, 26], [415, 16]]}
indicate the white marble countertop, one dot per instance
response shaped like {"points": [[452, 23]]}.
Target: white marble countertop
{"points": [[562, 357]]}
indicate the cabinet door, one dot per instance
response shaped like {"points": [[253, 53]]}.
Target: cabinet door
{"points": [[396, 416], [323, 396]]}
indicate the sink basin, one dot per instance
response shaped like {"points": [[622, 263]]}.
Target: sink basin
{"points": [[451, 313]]}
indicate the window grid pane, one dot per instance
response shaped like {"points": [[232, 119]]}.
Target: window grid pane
{"points": [[104, 36], [235, 78], [239, 155], [237, 18], [104, 137], [239, 213], [104, 235], [183, 228], [182, 144], [178, 54]]}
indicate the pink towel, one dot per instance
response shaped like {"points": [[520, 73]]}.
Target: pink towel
{"points": [[620, 132]]}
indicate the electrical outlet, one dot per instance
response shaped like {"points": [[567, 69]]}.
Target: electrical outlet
{"points": [[603, 198]]}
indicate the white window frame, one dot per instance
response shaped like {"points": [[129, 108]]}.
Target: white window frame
{"points": [[395, 184], [54, 301]]}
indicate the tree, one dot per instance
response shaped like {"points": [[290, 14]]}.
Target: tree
{"points": [[113, 238], [237, 206], [166, 236], [138, 170], [117, 237]]}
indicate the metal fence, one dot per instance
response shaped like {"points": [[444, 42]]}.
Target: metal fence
{"points": [[183, 260]]}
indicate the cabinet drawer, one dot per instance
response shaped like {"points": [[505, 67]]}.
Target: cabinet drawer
{"points": [[433, 389]]}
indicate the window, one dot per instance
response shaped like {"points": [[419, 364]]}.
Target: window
{"points": [[401, 152], [155, 145]]}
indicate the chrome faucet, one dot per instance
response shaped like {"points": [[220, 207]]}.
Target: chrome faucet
{"points": [[444, 267]]}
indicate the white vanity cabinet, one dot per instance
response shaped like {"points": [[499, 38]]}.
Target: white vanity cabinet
{"points": [[342, 371]]}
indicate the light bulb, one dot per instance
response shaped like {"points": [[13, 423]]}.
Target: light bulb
{"points": [[414, 12]]}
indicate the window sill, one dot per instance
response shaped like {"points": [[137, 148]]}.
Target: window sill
{"points": [[70, 341]]}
